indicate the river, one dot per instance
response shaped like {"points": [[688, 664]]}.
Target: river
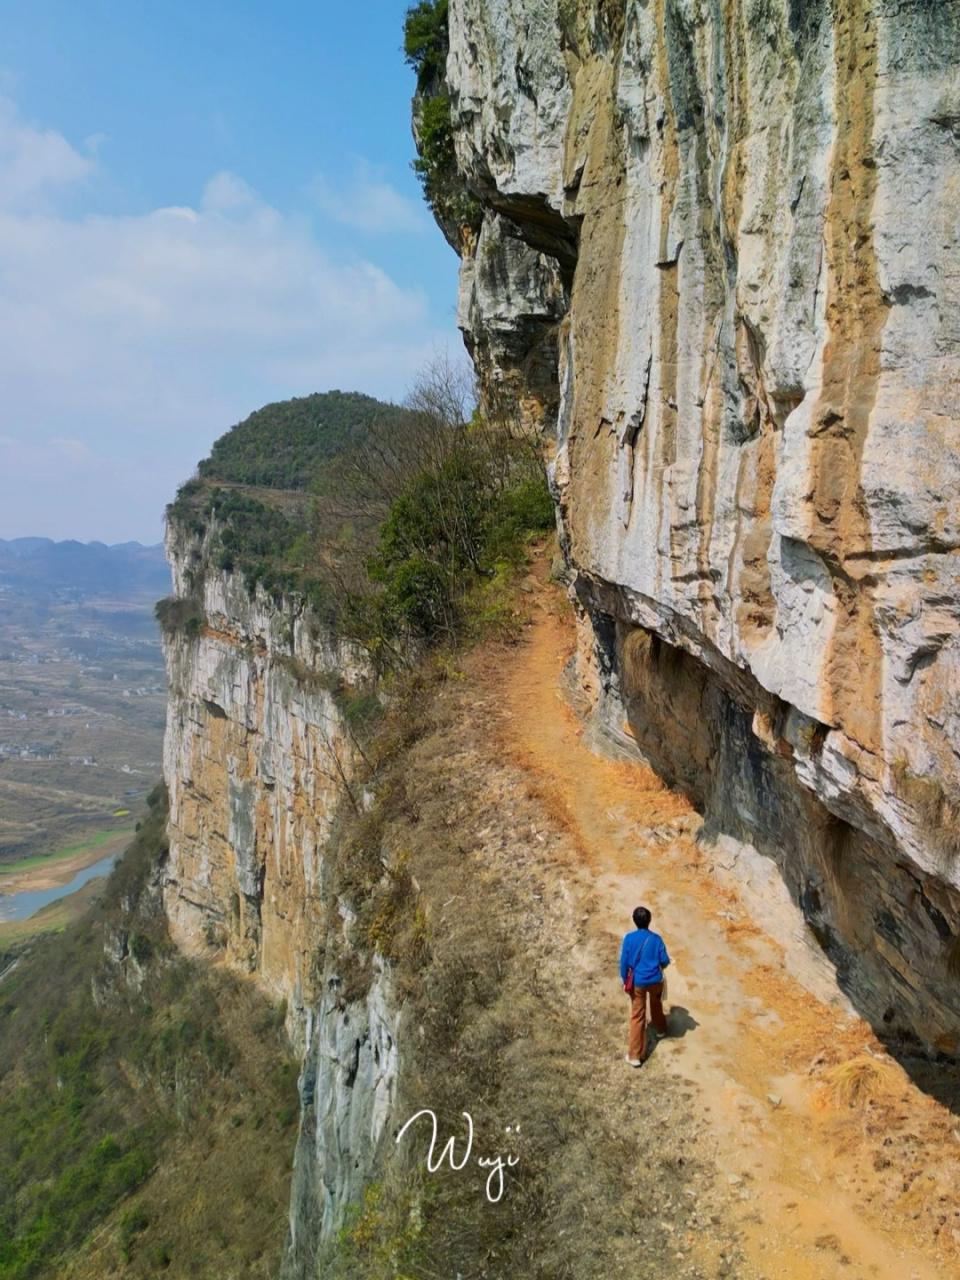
{"points": [[20, 906]]}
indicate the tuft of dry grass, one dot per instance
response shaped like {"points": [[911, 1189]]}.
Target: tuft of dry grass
{"points": [[636, 657], [938, 811], [860, 1080]]}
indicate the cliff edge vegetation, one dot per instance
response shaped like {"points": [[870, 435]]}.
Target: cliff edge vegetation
{"points": [[426, 44]]}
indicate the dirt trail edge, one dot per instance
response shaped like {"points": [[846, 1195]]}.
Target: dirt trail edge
{"points": [[829, 1187]]}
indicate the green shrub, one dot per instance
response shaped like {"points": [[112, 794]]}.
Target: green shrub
{"points": [[140, 947], [183, 615], [456, 524], [452, 203], [426, 40], [161, 1257], [525, 508], [362, 709], [131, 1223]]}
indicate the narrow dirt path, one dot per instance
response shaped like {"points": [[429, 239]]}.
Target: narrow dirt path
{"points": [[827, 1189]]}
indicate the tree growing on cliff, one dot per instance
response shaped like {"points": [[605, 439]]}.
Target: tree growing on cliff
{"points": [[426, 43]]}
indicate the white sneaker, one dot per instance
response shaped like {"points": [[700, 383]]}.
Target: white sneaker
{"points": [[632, 1062]]}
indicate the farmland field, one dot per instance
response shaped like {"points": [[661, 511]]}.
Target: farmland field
{"points": [[82, 693]]}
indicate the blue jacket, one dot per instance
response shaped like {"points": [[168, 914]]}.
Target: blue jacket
{"points": [[643, 952]]}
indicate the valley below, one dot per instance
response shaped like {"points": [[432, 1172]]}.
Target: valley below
{"points": [[82, 711], [82, 695]]}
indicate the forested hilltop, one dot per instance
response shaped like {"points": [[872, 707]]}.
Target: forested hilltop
{"points": [[285, 445], [259, 492]]}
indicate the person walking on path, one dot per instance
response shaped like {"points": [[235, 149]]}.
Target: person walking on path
{"points": [[643, 958]]}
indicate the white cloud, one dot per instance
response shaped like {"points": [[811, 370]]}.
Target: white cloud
{"points": [[149, 335], [35, 164], [367, 203]]}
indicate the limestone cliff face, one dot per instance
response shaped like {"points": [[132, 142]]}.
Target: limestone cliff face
{"points": [[347, 1092], [256, 754], [253, 749], [734, 222]]}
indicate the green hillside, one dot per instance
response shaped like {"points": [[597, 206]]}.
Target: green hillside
{"points": [[382, 519], [124, 1067], [284, 445]]}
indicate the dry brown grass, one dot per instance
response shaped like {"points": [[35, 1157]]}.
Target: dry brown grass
{"points": [[636, 658], [938, 811], [556, 805], [861, 1080]]}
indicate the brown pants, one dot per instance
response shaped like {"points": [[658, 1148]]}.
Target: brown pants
{"points": [[638, 1018]]}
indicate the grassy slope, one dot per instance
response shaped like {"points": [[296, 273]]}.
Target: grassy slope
{"points": [[146, 1101]]}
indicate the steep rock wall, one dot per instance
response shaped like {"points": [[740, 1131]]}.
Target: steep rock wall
{"points": [[252, 755], [255, 759], [347, 1092], [743, 210]]}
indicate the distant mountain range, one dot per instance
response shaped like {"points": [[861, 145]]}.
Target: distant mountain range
{"points": [[124, 571]]}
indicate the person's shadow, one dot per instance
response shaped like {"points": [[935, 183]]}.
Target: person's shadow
{"points": [[679, 1022]]}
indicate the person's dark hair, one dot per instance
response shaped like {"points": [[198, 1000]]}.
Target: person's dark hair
{"points": [[642, 917]]}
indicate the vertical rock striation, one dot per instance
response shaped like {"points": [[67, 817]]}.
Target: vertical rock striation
{"points": [[347, 1090], [733, 222], [253, 753]]}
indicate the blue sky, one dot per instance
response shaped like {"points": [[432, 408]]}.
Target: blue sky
{"points": [[203, 207]]}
